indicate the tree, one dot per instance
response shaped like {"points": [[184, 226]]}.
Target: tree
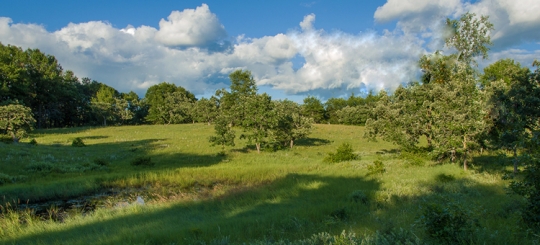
{"points": [[513, 97], [206, 110], [353, 115], [291, 125], [175, 108], [103, 103], [528, 108], [122, 110], [159, 96], [16, 120], [242, 83], [447, 107], [224, 134], [505, 69], [458, 115], [259, 120], [332, 106], [470, 37], [104, 111], [403, 117], [313, 108], [242, 87]]}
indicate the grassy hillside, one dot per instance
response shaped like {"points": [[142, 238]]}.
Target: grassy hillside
{"points": [[194, 195]]}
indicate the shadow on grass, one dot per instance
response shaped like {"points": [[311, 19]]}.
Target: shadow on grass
{"points": [[493, 164], [312, 142], [68, 172], [94, 137], [294, 207]]}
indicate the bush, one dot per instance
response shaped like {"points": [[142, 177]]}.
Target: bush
{"points": [[142, 161], [376, 168], [448, 224], [78, 142], [413, 158], [343, 153], [33, 142]]}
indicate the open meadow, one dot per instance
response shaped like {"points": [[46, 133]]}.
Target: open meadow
{"points": [[195, 195]]}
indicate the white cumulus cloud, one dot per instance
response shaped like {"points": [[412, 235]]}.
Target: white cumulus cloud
{"points": [[134, 58], [516, 22], [301, 61], [307, 23], [191, 27]]}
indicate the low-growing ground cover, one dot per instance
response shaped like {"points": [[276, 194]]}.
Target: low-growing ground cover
{"points": [[194, 195]]}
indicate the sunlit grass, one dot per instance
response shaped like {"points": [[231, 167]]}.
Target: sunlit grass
{"points": [[193, 193]]}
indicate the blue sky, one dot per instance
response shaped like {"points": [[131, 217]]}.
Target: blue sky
{"points": [[293, 48]]}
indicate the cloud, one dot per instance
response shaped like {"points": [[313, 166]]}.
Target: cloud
{"points": [[134, 58], [516, 22], [307, 23], [409, 9], [300, 61], [524, 57], [341, 61], [191, 27]]}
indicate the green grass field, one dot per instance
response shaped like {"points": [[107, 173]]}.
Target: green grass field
{"points": [[194, 195]]}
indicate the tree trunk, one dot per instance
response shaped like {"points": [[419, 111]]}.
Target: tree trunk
{"points": [[14, 137], [465, 167], [292, 143], [258, 145]]}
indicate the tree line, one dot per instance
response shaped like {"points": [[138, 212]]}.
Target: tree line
{"points": [[34, 86]]}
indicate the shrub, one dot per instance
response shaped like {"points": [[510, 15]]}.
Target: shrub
{"points": [[413, 159], [343, 153], [77, 142], [359, 196], [448, 224], [376, 168], [33, 142], [142, 161]]}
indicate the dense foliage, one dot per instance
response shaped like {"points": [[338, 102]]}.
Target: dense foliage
{"points": [[275, 124]]}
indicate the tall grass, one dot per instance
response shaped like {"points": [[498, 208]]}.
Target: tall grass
{"points": [[194, 195]]}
